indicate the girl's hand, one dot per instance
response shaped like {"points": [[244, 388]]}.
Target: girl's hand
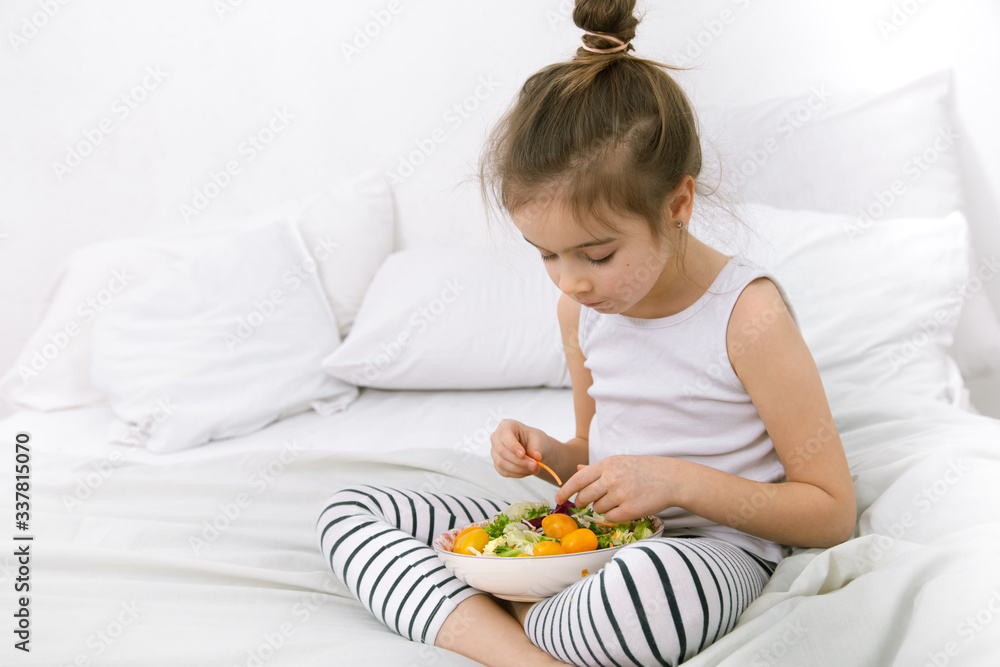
{"points": [[516, 448], [623, 488]]}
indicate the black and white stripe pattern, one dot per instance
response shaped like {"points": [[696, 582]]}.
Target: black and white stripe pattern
{"points": [[377, 542], [658, 602]]}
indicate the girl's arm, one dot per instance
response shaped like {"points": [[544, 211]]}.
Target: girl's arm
{"points": [[516, 448], [815, 507], [576, 451]]}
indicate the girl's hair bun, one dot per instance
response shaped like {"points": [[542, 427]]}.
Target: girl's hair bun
{"points": [[615, 18], [608, 134]]}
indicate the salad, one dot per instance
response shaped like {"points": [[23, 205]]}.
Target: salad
{"points": [[533, 529]]}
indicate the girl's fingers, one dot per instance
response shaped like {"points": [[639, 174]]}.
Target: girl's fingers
{"points": [[603, 507], [515, 450], [510, 443], [598, 496], [584, 477], [507, 461], [521, 447]]}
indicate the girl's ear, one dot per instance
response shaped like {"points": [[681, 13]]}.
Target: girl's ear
{"points": [[681, 200]]}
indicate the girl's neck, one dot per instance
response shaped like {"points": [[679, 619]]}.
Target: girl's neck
{"points": [[673, 292]]}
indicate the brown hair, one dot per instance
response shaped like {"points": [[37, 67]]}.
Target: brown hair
{"points": [[610, 132]]}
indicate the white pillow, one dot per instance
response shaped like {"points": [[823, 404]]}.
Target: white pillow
{"points": [[877, 306], [455, 318], [53, 370], [863, 298], [219, 345], [348, 230], [841, 152], [977, 344], [871, 155]]}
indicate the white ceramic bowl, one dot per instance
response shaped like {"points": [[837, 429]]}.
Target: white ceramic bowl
{"points": [[523, 579]]}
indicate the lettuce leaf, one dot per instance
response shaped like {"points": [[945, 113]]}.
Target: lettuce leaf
{"points": [[496, 527]]}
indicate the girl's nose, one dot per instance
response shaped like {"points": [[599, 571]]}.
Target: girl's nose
{"points": [[571, 282]]}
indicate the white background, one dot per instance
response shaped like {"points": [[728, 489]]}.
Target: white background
{"points": [[356, 101]]}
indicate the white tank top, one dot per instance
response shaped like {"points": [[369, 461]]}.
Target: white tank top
{"points": [[665, 387]]}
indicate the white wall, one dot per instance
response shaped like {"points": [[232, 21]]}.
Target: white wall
{"points": [[225, 68]]}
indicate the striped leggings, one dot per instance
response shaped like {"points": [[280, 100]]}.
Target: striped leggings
{"points": [[658, 602]]}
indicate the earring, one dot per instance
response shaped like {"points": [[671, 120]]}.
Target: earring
{"points": [[679, 224]]}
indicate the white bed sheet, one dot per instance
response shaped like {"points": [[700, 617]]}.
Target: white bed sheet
{"points": [[117, 580]]}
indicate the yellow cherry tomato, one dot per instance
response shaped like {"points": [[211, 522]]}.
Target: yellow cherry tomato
{"points": [[558, 525], [474, 539], [548, 548], [523, 555], [581, 539], [465, 530]]}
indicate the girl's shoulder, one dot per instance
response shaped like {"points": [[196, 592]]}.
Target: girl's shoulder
{"points": [[761, 294]]}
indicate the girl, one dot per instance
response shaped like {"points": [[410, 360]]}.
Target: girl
{"points": [[696, 398]]}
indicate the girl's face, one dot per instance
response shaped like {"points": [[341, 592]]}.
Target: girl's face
{"points": [[611, 272]]}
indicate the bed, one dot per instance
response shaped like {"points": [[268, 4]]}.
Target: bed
{"points": [[208, 556], [189, 399]]}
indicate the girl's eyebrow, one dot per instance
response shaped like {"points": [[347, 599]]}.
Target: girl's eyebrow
{"points": [[582, 245]]}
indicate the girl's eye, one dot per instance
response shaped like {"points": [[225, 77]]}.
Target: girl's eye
{"points": [[595, 262], [602, 260]]}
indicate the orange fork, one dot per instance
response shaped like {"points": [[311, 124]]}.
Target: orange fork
{"points": [[551, 472]]}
